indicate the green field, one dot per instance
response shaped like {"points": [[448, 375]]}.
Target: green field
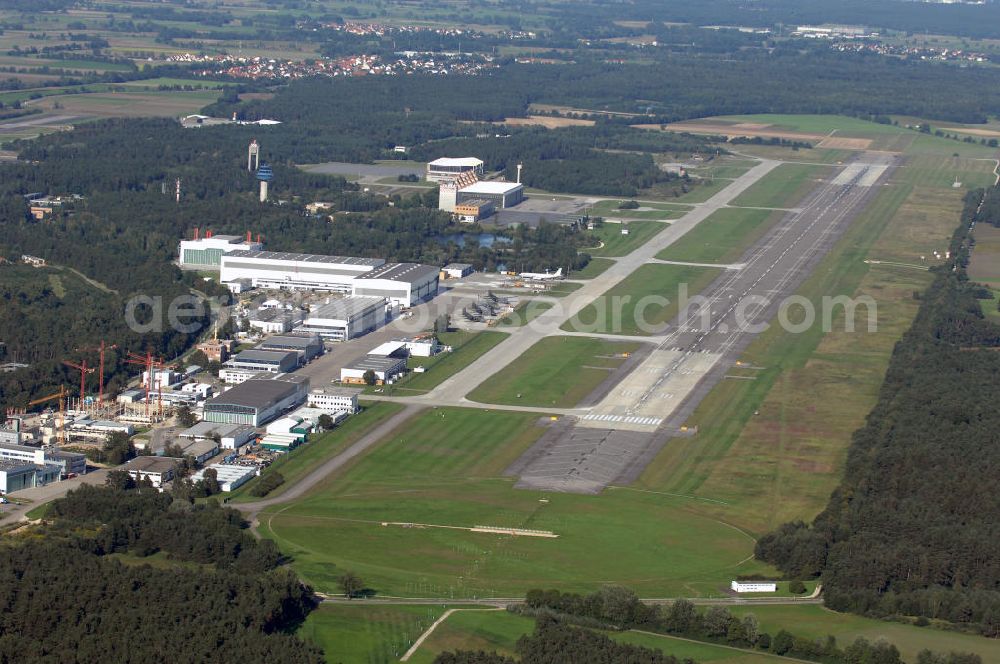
{"points": [[499, 631], [818, 622], [557, 372], [525, 312], [783, 187], [371, 634], [636, 305], [613, 243], [299, 462], [723, 237], [595, 267], [468, 346], [441, 472]]}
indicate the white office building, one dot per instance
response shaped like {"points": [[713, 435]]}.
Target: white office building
{"points": [[333, 399]]}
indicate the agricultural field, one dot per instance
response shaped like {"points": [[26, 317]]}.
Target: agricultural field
{"points": [[642, 294], [723, 237], [400, 517], [301, 461], [783, 187], [557, 371], [129, 104], [811, 391], [818, 622], [468, 346], [614, 244]]}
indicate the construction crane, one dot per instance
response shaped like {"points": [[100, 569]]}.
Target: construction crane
{"points": [[84, 370], [100, 376], [152, 365], [61, 423]]}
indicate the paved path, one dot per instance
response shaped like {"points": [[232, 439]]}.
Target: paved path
{"points": [[43, 494], [430, 630]]}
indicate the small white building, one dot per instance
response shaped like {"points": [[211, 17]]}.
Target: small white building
{"points": [[229, 477], [231, 436], [234, 376], [199, 390], [754, 586], [159, 470], [457, 270]]}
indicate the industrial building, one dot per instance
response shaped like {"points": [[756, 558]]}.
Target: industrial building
{"points": [[335, 399], [448, 168], [206, 252], [258, 400], [275, 321], [386, 369], [345, 318], [216, 350], [306, 346], [158, 470], [232, 376], [17, 475], [229, 477], [230, 436], [474, 209], [267, 361], [200, 450], [403, 284], [502, 194], [70, 463], [290, 271]]}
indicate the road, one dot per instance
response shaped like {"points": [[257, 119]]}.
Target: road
{"points": [[43, 494]]}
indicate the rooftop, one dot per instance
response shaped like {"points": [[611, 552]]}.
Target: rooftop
{"points": [[376, 363], [470, 162], [259, 392], [304, 258], [270, 356], [272, 315], [340, 391], [491, 187], [152, 464], [225, 472], [206, 429], [458, 266], [405, 272], [290, 341], [7, 465], [346, 307], [387, 349]]}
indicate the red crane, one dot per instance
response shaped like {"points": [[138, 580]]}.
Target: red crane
{"points": [[100, 376], [84, 370], [152, 365]]}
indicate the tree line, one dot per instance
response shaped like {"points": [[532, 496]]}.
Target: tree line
{"points": [[913, 528]]}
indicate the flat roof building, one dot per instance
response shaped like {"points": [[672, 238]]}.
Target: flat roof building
{"points": [[345, 318], [234, 376], [258, 400], [386, 369], [471, 210], [265, 361], [306, 346], [291, 271], [403, 284], [502, 194], [457, 270], [18, 475], [206, 253], [334, 399], [230, 436], [448, 168], [275, 321]]}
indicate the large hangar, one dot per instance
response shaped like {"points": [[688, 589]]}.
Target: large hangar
{"points": [[403, 284], [346, 318], [258, 400]]}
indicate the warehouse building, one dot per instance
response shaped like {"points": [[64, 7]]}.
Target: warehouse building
{"points": [[290, 271], [258, 400], [70, 463], [474, 209], [345, 318], [456, 270], [386, 369], [275, 321], [206, 253], [265, 361], [502, 194], [332, 398], [229, 477], [17, 475], [403, 284], [305, 346], [446, 169]]}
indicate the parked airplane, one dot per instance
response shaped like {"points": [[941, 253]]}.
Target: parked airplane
{"points": [[541, 276]]}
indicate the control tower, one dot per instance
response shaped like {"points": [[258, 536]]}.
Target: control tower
{"points": [[265, 175]]}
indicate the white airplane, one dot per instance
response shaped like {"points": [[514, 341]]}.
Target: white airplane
{"points": [[541, 276]]}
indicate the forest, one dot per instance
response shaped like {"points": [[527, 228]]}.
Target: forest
{"points": [[914, 527], [217, 596]]}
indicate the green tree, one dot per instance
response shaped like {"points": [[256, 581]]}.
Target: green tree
{"points": [[369, 377], [325, 422], [119, 480], [351, 584]]}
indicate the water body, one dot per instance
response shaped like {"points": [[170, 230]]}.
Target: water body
{"points": [[470, 239]]}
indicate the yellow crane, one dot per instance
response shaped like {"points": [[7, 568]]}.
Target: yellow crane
{"points": [[61, 422]]}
